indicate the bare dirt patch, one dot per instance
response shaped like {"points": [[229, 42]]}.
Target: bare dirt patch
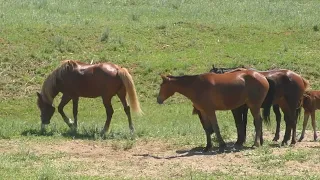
{"points": [[158, 159]]}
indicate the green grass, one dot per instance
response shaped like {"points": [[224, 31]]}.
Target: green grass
{"points": [[150, 38]]}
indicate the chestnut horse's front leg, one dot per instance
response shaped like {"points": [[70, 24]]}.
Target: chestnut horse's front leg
{"points": [[64, 100], [305, 123]]}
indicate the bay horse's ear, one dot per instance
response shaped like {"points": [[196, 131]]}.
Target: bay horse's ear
{"points": [[212, 66], [164, 78]]}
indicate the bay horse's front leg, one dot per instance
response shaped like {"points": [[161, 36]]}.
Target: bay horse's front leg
{"points": [[64, 100], [75, 112], [109, 112], [214, 123], [122, 96]]}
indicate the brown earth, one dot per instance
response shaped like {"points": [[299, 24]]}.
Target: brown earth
{"points": [[158, 159]]}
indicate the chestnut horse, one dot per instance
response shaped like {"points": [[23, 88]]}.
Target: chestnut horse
{"points": [[75, 79], [311, 102], [289, 88], [211, 92]]}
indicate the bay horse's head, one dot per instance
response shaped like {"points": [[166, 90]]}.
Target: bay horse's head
{"points": [[166, 89], [46, 110]]}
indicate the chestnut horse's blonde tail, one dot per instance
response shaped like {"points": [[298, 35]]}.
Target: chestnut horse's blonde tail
{"points": [[131, 90]]}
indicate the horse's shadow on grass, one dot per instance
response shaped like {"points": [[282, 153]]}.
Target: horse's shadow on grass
{"points": [[198, 151], [77, 135]]}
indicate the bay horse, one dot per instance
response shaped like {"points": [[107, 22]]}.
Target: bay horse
{"points": [[289, 88], [311, 102], [211, 92], [75, 79]]}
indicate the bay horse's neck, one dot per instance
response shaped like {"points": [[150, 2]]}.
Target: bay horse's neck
{"points": [[184, 85]]}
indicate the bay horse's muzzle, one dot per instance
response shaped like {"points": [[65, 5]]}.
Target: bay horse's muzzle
{"points": [[159, 100]]}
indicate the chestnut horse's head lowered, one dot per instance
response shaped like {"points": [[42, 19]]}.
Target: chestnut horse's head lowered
{"points": [[46, 110], [165, 90]]}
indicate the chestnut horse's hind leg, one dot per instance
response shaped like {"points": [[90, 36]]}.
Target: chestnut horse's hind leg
{"points": [[122, 96], [64, 100], [109, 112], [276, 111], [314, 125], [75, 111], [305, 123]]}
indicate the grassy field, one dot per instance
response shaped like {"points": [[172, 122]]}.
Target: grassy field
{"points": [[150, 38]]}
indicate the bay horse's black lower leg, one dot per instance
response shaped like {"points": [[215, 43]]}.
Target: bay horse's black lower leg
{"points": [[64, 100], [209, 129], [245, 121], [238, 117], [287, 133], [209, 143], [276, 110]]}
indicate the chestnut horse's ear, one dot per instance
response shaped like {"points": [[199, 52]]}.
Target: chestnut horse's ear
{"points": [[164, 78]]}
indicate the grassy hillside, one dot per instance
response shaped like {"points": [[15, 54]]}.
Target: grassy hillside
{"points": [[149, 37]]}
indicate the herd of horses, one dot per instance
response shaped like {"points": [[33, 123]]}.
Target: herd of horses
{"points": [[237, 89]]}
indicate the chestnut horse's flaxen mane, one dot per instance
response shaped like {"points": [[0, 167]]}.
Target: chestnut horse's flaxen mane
{"points": [[50, 83]]}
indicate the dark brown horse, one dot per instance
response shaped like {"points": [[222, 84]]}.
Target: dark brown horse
{"points": [[75, 79], [311, 102], [289, 88], [211, 92]]}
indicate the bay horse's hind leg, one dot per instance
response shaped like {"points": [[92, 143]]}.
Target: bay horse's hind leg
{"points": [[75, 112], [109, 112], [240, 124], [122, 96], [276, 110], [64, 100], [258, 126]]}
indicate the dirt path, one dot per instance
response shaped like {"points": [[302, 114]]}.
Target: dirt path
{"points": [[157, 159]]}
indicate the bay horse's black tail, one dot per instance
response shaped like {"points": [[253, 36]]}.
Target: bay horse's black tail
{"points": [[268, 101]]}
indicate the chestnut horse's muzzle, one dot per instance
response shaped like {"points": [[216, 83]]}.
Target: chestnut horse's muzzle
{"points": [[159, 100]]}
